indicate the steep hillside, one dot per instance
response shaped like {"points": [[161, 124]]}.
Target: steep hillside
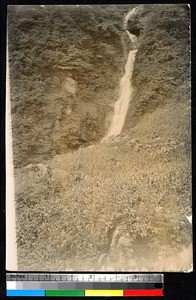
{"points": [[84, 202]]}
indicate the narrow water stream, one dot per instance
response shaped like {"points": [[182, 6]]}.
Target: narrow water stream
{"points": [[122, 105], [126, 92]]}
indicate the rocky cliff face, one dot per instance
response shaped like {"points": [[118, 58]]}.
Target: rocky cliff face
{"points": [[83, 204], [162, 71], [62, 58]]}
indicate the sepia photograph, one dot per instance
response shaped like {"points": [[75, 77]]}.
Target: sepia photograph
{"points": [[98, 138]]}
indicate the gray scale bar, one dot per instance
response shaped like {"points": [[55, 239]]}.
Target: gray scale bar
{"points": [[69, 286], [26, 285], [53, 285], [104, 286], [19, 285]]}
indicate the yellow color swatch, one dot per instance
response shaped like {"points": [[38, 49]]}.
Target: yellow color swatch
{"points": [[103, 293]]}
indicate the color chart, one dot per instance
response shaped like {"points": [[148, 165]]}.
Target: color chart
{"points": [[117, 285]]}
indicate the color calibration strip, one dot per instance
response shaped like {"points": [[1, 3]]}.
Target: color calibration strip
{"points": [[82, 293], [71, 285]]}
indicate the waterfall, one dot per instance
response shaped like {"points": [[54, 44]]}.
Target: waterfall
{"points": [[11, 246], [126, 91]]}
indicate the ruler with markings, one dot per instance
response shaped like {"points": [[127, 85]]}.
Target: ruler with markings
{"points": [[95, 284]]}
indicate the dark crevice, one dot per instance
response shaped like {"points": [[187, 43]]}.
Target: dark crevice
{"points": [[135, 31]]}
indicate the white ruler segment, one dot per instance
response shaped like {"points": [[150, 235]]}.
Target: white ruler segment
{"points": [[93, 277]]}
